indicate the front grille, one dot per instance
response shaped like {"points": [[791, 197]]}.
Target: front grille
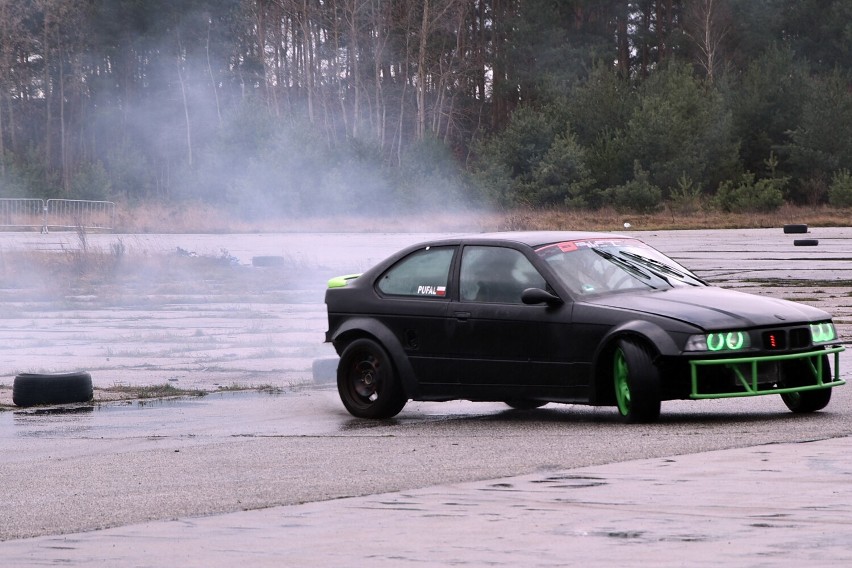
{"points": [[767, 374], [784, 339], [800, 337]]}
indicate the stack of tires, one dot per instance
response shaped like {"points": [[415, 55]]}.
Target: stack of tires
{"points": [[800, 229]]}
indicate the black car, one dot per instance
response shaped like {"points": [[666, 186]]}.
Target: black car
{"points": [[528, 318]]}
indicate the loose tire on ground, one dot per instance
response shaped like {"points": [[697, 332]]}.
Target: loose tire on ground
{"points": [[367, 381], [637, 382], [806, 242], [795, 228], [32, 389]]}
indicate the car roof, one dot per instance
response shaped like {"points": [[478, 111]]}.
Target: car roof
{"points": [[537, 238]]}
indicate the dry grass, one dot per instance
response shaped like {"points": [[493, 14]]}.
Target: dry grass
{"points": [[203, 218], [148, 391], [612, 220]]}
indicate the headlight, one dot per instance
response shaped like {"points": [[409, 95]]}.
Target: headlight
{"points": [[823, 333], [719, 341]]}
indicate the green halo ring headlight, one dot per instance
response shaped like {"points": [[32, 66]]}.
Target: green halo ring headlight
{"points": [[823, 332], [727, 341], [719, 341]]}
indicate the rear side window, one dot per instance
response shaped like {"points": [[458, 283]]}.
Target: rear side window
{"points": [[496, 275], [424, 273]]}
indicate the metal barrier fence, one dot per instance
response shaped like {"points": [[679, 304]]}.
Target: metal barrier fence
{"points": [[21, 213]]}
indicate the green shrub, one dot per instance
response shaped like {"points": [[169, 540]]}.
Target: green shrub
{"points": [[91, 182], [638, 194], [686, 197], [751, 196], [840, 190]]}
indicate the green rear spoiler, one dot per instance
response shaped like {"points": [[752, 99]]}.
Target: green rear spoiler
{"points": [[341, 281]]}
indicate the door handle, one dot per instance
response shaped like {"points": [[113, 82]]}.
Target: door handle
{"points": [[462, 316]]}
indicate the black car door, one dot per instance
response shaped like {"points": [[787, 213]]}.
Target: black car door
{"points": [[502, 348], [413, 305]]}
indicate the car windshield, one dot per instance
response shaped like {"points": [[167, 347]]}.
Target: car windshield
{"points": [[600, 266]]}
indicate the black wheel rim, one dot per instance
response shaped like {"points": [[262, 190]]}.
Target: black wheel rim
{"points": [[365, 378]]}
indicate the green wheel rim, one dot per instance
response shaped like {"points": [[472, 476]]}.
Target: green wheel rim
{"points": [[794, 397], [622, 388]]}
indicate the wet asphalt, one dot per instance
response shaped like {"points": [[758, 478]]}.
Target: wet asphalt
{"points": [[290, 479]]}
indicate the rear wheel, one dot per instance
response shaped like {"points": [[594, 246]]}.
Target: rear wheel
{"points": [[637, 382], [367, 381], [799, 373]]}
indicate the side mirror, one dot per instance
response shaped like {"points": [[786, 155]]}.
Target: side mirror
{"points": [[533, 296]]}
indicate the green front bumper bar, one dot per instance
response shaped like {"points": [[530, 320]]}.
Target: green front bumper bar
{"points": [[750, 384]]}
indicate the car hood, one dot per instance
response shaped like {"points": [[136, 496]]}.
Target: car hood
{"points": [[713, 308]]}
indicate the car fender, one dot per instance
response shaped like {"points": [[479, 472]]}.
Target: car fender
{"points": [[659, 338], [656, 336], [368, 327]]}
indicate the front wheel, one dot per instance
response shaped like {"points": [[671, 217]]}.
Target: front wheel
{"points": [[807, 401], [798, 373], [637, 382], [367, 381]]}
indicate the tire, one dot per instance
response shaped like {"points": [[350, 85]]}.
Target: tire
{"points": [[637, 382], [523, 404], [807, 401], [796, 228], [367, 382], [31, 389], [805, 242]]}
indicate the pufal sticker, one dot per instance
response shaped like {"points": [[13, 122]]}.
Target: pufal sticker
{"points": [[432, 290]]}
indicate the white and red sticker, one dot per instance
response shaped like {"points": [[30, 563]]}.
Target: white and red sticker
{"points": [[432, 290], [571, 246]]}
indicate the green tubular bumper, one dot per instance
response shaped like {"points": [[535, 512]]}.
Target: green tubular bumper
{"points": [[750, 384]]}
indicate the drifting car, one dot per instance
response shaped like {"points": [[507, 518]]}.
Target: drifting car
{"points": [[528, 318]]}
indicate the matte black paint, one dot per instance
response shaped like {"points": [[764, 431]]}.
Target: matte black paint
{"points": [[444, 349]]}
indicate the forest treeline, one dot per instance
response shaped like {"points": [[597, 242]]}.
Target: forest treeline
{"points": [[316, 106]]}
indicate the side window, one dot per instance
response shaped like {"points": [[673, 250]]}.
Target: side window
{"points": [[423, 274], [497, 275]]}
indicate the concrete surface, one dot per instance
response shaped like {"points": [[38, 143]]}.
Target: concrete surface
{"points": [[773, 505], [781, 497]]}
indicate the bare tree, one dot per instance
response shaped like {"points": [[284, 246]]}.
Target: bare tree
{"points": [[707, 23]]}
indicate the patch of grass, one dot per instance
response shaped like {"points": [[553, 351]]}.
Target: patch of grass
{"points": [[153, 391], [239, 387], [233, 387]]}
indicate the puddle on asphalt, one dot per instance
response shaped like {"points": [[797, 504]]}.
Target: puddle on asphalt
{"points": [[140, 404], [42, 421]]}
